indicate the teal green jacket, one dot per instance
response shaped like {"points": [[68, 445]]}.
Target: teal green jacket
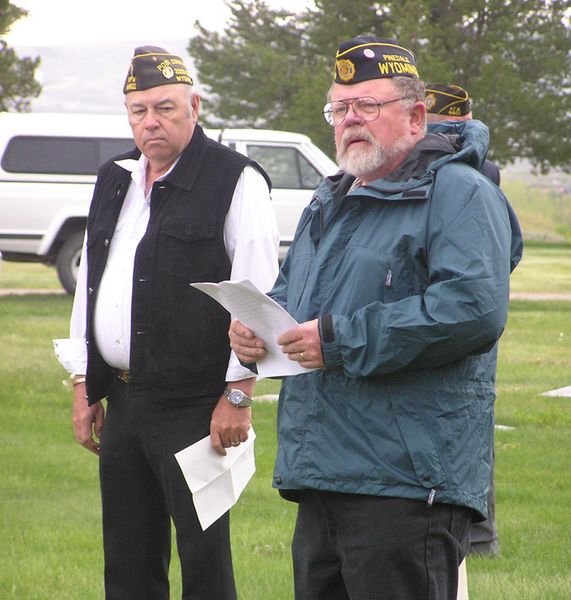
{"points": [[409, 278]]}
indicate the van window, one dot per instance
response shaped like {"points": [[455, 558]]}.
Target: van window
{"points": [[287, 167], [61, 155]]}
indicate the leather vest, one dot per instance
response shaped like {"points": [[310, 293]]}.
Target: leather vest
{"points": [[179, 340]]}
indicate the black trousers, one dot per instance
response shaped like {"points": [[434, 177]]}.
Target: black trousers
{"points": [[142, 488], [356, 547]]}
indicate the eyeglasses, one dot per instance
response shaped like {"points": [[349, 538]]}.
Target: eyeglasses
{"points": [[366, 107]]}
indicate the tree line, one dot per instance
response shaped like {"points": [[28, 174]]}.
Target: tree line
{"points": [[271, 68]]}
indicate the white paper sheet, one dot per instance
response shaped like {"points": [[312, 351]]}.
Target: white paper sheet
{"points": [[215, 481], [265, 317]]}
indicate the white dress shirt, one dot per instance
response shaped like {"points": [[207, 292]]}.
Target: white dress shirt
{"points": [[251, 239]]}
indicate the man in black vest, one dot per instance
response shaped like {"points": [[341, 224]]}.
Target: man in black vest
{"points": [[450, 102], [180, 208]]}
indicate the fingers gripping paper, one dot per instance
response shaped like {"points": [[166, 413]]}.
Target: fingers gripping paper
{"points": [[264, 316], [215, 481]]}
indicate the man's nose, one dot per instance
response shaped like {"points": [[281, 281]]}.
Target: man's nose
{"points": [[151, 120], [351, 116]]}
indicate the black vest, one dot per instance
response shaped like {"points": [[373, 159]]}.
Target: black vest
{"points": [[179, 336]]}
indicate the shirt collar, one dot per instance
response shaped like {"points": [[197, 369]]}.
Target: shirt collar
{"points": [[138, 168]]}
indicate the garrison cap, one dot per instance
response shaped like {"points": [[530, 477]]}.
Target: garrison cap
{"points": [[447, 99], [152, 66], [369, 57]]}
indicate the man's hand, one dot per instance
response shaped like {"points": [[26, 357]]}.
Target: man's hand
{"points": [[303, 344], [246, 345], [229, 425], [87, 420]]}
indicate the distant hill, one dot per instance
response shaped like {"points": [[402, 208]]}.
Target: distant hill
{"points": [[89, 78]]}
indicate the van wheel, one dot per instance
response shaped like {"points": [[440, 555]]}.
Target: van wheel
{"points": [[67, 262]]}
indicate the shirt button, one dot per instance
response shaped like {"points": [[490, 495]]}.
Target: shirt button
{"points": [[278, 480]]}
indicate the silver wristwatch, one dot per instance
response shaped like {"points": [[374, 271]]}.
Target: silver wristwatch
{"points": [[237, 398]]}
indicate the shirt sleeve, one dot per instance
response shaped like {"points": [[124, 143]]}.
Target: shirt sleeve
{"points": [[72, 352], [252, 242]]}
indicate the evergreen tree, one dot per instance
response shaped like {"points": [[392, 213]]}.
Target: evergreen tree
{"points": [[17, 83], [272, 68]]}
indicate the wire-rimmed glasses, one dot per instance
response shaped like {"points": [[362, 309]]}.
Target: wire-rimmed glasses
{"points": [[366, 107]]}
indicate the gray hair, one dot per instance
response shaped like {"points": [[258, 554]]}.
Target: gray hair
{"points": [[411, 88]]}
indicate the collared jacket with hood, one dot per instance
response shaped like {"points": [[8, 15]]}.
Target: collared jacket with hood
{"points": [[409, 278]]}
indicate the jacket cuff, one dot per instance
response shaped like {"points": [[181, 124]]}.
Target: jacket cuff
{"points": [[331, 355]]}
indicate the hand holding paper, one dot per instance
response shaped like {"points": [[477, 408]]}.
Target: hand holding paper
{"points": [[215, 481], [263, 315]]}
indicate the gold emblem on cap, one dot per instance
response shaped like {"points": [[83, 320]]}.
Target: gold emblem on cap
{"points": [[345, 69], [430, 101], [168, 72]]}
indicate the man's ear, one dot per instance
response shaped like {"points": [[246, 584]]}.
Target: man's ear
{"points": [[195, 103], [418, 118]]}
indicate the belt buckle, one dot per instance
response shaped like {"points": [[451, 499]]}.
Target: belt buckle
{"points": [[122, 375]]}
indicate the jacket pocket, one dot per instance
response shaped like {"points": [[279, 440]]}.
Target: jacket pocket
{"points": [[189, 250], [189, 229], [389, 276], [421, 448]]}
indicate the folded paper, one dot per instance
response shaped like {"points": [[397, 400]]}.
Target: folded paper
{"points": [[215, 481]]}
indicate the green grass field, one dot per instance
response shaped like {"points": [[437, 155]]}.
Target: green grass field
{"points": [[49, 518], [542, 203]]}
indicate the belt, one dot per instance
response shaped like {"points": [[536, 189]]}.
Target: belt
{"points": [[122, 375]]}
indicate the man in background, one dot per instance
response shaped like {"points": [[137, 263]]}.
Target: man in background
{"points": [[180, 208], [450, 102]]}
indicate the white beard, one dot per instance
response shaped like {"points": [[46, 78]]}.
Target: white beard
{"points": [[365, 161]]}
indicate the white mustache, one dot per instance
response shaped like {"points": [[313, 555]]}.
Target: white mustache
{"points": [[357, 132]]}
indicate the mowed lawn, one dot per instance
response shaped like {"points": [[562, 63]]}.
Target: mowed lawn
{"points": [[50, 511]]}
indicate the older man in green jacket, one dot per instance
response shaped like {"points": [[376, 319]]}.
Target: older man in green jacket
{"points": [[399, 278]]}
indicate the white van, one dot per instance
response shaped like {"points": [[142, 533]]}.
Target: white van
{"points": [[48, 164]]}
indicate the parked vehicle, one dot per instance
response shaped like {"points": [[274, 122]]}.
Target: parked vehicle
{"points": [[48, 165]]}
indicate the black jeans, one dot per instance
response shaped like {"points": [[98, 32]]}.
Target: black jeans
{"points": [[356, 547], [142, 488]]}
